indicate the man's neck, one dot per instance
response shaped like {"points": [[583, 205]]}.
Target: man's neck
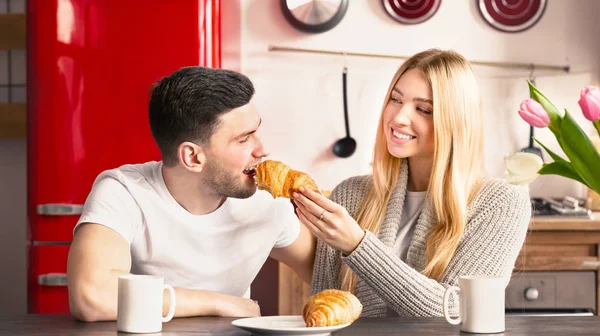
{"points": [[190, 196], [419, 169]]}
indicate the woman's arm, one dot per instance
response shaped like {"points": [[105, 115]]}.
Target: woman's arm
{"points": [[490, 247], [493, 238]]}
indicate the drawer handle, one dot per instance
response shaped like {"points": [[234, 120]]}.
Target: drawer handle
{"points": [[53, 279], [595, 264], [532, 294], [59, 209]]}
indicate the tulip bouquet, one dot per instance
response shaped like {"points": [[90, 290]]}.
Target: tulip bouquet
{"points": [[583, 162]]}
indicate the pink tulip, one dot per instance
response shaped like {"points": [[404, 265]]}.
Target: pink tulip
{"points": [[590, 103], [534, 114]]}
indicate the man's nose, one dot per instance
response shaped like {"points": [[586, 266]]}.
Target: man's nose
{"points": [[260, 150]]}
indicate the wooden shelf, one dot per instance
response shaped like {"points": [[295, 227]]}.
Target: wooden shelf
{"points": [[565, 224], [12, 31], [13, 121]]}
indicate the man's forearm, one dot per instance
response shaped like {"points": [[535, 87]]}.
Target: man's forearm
{"points": [[190, 302], [98, 301]]}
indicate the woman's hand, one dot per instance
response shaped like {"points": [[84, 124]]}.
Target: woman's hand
{"points": [[327, 220]]}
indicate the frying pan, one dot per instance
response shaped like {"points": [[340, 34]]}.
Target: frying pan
{"points": [[314, 16]]}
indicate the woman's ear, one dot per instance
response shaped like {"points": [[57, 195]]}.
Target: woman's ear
{"points": [[191, 156]]}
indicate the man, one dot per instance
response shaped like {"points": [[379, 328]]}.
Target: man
{"points": [[194, 218]]}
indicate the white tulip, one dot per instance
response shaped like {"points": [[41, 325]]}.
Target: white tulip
{"points": [[522, 168]]}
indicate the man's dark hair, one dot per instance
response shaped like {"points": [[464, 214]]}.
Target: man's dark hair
{"points": [[186, 105]]}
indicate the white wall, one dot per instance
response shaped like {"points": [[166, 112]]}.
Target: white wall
{"points": [[300, 95]]}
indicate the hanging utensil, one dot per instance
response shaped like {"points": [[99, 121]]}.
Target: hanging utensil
{"points": [[531, 148], [314, 16], [345, 147]]}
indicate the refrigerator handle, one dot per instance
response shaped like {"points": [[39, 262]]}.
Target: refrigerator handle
{"points": [[59, 209], [52, 279]]}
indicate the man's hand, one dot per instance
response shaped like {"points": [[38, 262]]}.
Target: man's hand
{"points": [[233, 306]]}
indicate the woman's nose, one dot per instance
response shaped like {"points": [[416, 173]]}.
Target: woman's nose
{"points": [[402, 116]]}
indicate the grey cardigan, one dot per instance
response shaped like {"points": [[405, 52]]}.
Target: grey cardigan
{"points": [[497, 223]]}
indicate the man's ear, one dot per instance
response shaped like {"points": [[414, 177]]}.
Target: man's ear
{"points": [[192, 156]]}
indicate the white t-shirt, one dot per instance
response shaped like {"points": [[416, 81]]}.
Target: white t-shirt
{"points": [[222, 251], [413, 205]]}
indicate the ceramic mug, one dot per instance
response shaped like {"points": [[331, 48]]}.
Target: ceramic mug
{"points": [[481, 304], [140, 303]]}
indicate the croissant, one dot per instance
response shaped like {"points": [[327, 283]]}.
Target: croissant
{"points": [[331, 307], [280, 180]]}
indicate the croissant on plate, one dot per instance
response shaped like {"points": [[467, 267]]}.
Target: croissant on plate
{"points": [[331, 307], [281, 180]]}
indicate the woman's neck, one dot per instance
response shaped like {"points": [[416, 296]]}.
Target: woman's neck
{"points": [[419, 173]]}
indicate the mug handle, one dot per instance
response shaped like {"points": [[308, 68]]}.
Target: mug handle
{"points": [[449, 291], [172, 308]]}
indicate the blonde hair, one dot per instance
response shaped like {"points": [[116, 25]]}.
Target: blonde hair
{"points": [[458, 161]]}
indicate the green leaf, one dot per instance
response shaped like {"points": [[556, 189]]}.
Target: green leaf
{"points": [[562, 168], [554, 156], [554, 113], [580, 150]]}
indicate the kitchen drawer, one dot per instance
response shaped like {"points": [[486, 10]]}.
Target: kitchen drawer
{"points": [[558, 290]]}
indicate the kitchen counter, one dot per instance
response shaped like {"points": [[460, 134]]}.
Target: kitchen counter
{"points": [[397, 326], [557, 223], [560, 260]]}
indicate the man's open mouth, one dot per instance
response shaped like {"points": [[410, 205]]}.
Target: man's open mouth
{"points": [[250, 171]]}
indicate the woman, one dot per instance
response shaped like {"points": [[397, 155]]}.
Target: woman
{"points": [[428, 214]]}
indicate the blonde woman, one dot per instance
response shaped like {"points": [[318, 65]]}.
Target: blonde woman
{"points": [[428, 214]]}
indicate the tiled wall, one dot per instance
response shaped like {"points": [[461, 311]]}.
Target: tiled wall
{"points": [[13, 182]]}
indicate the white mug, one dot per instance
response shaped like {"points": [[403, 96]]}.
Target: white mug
{"points": [[140, 303], [481, 304]]}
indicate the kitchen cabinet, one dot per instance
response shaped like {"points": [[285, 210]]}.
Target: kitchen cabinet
{"points": [[13, 123], [559, 262]]}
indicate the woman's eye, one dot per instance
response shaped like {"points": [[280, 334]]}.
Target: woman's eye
{"points": [[395, 100], [245, 139], [423, 110]]}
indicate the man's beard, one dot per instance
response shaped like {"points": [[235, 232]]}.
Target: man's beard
{"points": [[225, 183]]}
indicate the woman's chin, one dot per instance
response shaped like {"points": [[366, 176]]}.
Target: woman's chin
{"points": [[399, 153]]}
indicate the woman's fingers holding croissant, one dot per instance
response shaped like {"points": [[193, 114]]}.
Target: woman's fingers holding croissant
{"points": [[308, 205], [308, 220], [332, 224], [320, 200], [309, 213]]}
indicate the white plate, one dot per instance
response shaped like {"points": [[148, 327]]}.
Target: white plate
{"points": [[282, 325]]}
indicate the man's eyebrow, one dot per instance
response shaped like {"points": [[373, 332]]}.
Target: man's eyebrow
{"points": [[250, 132], [424, 100]]}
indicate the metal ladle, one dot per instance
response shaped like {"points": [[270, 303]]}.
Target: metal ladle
{"points": [[345, 147]]}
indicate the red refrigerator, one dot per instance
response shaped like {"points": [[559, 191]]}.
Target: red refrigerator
{"points": [[90, 67]]}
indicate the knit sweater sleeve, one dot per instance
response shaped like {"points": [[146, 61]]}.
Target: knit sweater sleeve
{"points": [[493, 238], [327, 263]]}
